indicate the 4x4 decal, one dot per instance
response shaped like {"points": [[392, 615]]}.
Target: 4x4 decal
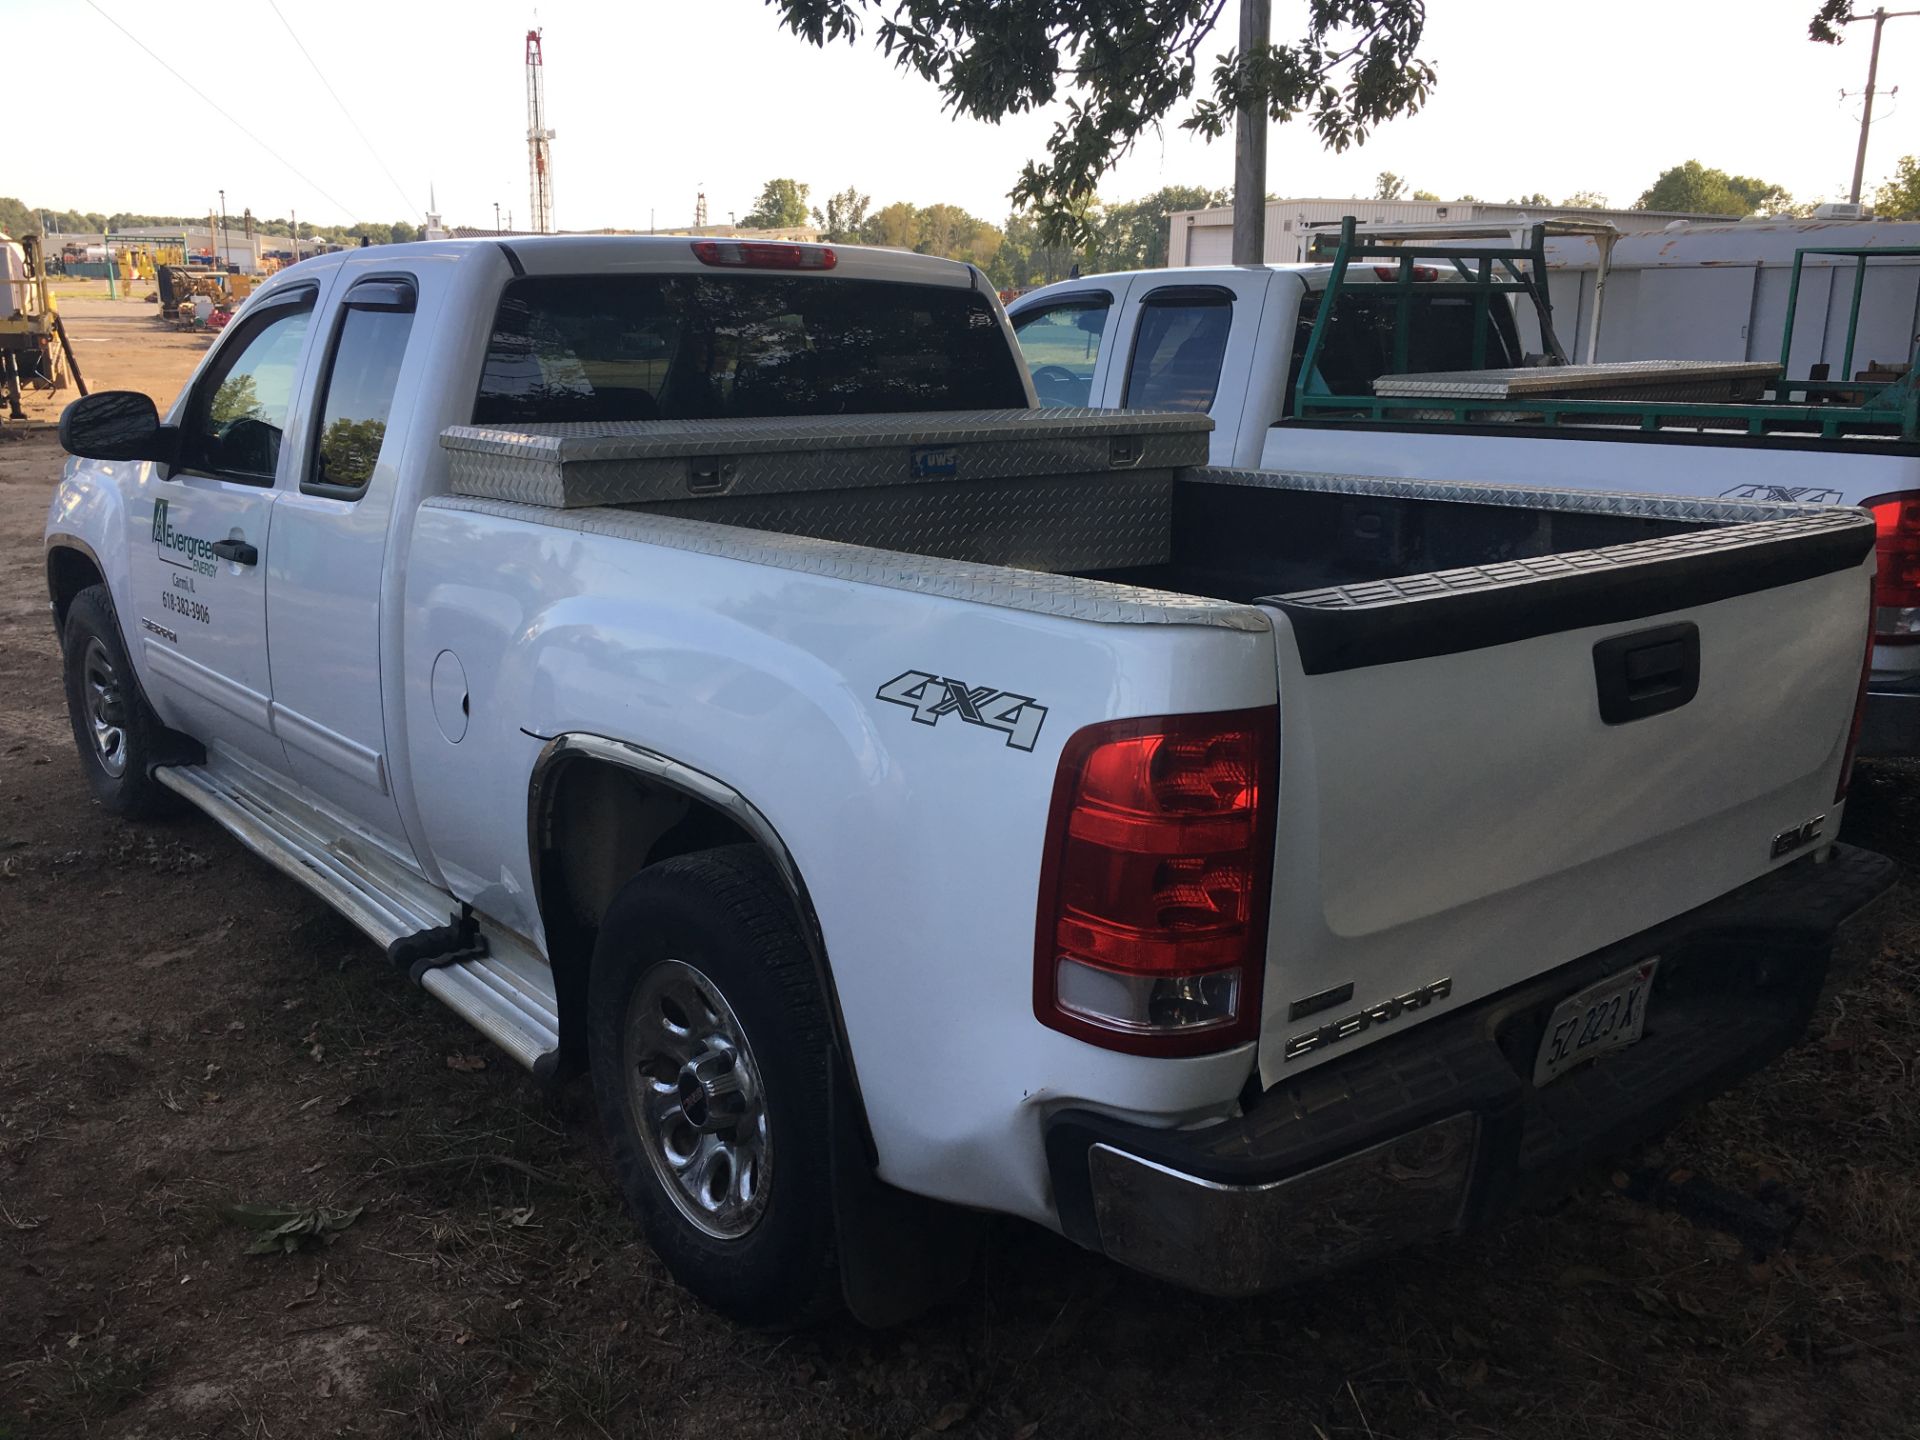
{"points": [[930, 696]]}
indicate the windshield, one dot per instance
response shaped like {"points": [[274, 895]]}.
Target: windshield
{"points": [[1358, 346], [711, 347]]}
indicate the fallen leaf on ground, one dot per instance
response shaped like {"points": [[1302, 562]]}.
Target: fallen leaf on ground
{"points": [[466, 1062], [949, 1416], [284, 1229]]}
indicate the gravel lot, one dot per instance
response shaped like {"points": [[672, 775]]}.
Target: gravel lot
{"points": [[186, 1030]]}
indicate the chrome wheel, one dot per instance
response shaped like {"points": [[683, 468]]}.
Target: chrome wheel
{"points": [[697, 1101], [106, 708]]}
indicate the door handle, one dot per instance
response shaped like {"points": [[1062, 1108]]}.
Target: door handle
{"points": [[238, 551]]}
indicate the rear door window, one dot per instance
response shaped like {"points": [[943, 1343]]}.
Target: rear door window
{"points": [[375, 324], [1061, 344], [1178, 347], [712, 347]]}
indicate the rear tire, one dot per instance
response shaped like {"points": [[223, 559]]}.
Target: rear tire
{"points": [[710, 1048], [118, 735]]}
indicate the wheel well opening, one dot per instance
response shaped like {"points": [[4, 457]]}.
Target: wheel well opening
{"points": [[601, 824], [69, 571]]}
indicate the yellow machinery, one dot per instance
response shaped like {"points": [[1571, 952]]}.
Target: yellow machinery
{"points": [[35, 353]]}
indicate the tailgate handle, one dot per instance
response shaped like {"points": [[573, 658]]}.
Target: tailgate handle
{"points": [[1648, 672]]}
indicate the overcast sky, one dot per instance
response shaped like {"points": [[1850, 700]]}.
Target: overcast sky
{"points": [[654, 98]]}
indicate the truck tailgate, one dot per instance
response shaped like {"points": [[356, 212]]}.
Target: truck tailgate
{"points": [[1455, 807]]}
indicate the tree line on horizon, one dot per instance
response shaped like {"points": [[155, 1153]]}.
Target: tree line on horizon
{"points": [[1023, 251], [17, 218]]}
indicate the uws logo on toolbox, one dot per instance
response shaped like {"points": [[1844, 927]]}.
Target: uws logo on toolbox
{"points": [[932, 697], [177, 547]]}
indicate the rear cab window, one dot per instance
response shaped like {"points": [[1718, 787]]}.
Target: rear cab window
{"points": [[1358, 346], [1061, 344], [715, 347], [1179, 343]]}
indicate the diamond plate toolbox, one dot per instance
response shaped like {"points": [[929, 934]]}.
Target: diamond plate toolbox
{"points": [[570, 466]]}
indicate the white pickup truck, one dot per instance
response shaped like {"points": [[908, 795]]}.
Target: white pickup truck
{"points": [[700, 664], [1231, 341]]}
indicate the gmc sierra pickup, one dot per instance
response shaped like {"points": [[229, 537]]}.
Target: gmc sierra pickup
{"points": [[700, 664]]}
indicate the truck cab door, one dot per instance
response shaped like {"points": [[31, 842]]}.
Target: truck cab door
{"points": [[1189, 345], [199, 589], [327, 563]]}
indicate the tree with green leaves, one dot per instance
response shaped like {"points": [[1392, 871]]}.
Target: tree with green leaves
{"points": [[1537, 199], [782, 204], [1426, 195], [1026, 258], [1123, 67], [896, 226], [1388, 186], [951, 233], [15, 219], [1133, 235], [1585, 200], [1706, 191], [846, 212], [1899, 198], [1827, 20]]}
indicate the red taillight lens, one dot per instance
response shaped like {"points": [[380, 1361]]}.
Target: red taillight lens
{"points": [[764, 255], [1153, 891], [1860, 698], [1392, 272], [1896, 548]]}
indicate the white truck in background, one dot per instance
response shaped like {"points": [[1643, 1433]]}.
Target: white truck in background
{"points": [[698, 664], [1231, 341]]}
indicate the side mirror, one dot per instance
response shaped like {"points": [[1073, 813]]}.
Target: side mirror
{"points": [[1092, 319], [116, 425]]}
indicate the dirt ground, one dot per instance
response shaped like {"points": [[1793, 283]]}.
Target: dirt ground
{"points": [[182, 1029]]}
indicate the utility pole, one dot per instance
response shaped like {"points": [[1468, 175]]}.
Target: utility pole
{"points": [[1879, 18], [1250, 147], [293, 224], [223, 232], [496, 217]]}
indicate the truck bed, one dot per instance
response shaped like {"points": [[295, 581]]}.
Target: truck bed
{"points": [[1612, 704], [1115, 496]]}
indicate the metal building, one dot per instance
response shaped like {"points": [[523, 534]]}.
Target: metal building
{"points": [[1205, 237]]}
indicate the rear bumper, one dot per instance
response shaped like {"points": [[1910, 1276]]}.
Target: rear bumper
{"points": [[1440, 1129]]}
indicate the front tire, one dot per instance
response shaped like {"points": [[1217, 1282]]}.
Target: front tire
{"points": [[117, 734], [710, 1050]]}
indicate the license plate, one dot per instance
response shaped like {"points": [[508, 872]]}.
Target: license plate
{"points": [[1603, 1017]]}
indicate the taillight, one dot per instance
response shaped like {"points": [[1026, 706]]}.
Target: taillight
{"points": [[1896, 547], [1392, 272], [764, 255], [1153, 890], [1859, 699]]}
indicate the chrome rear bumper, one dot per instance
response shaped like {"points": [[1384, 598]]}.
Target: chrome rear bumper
{"points": [[1440, 1128]]}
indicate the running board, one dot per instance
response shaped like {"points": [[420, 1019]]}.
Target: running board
{"points": [[505, 993]]}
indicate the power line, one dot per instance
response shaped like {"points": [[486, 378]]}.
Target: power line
{"points": [[398, 187], [347, 209]]}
